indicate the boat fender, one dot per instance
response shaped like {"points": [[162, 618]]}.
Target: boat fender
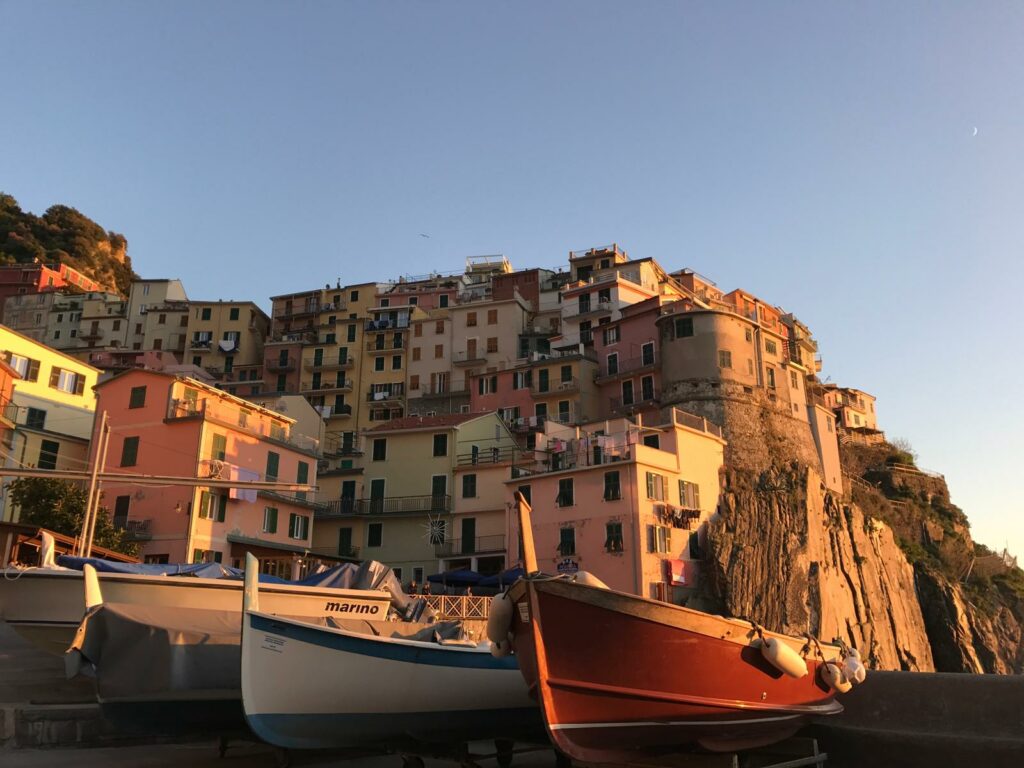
{"points": [[833, 677], [588, 579], [499, 618], [782, 657], [501, 648], [853, 670]]}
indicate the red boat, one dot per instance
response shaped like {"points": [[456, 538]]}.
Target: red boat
{"points": [[618, 675]]}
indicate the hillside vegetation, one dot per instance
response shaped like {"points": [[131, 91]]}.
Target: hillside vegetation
{"points": [[62, 234]]}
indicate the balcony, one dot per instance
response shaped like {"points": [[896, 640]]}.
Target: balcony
{"points": [[315, 387], [92, 334], [476, 546], [643, 400], [391, 394], [593, 309], [633, 365], [486, 456], [386, 506], [337, 447], [402, 324], [555, 388], [289, 311], [469, 357], [277, 365], [138, 530], [329, 365], [442, 390], [200, 344], [382, 348]]}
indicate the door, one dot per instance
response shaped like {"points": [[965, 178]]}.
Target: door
{"points": [[348, 496], [542, 380], [471, 349], [468, 535], [377, 495], [438, 492], [318, 357], [345, 542]]}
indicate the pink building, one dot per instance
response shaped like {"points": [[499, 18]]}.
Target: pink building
{"points": [[625, 500], [18, 279], [163, 424]]}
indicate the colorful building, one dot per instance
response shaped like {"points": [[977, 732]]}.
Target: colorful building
{"points": [[623, 499], [164, 424], [226, 338], [26, 279], [52, 408]]}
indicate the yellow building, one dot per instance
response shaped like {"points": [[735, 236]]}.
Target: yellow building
{"points": [[394, 504], [55, 406], [226, 338]]}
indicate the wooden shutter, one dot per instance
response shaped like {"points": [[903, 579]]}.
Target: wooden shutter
{"points": [[222, 507]]}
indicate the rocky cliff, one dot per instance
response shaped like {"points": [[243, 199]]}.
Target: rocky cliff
{"points": [[888, 565]]}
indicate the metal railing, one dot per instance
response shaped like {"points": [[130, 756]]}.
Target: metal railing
{"points": [[237, 418], [473, 546], [486, 456], [639, 400], [630, 365], [138, 530], [380, 345], [385, 506], [328, 365], [555, 387], [468, 358], [428, 389], [394, 392], [277, 365], [326, 386], [387, 325]]}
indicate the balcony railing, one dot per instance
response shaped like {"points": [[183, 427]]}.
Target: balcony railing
{"points": [[385, 506], [394, 392], [92, 333], [598, 307], [327, 386], [382, 346], [640, 400], [387, 325], [486, 456], [277, 365], [307, 308], [469, 357], [475, 546], [459, 607], [137, 530], [200, 344], [696, 422], [622, 367], [329, 365], [555, 387], [442, 390]]}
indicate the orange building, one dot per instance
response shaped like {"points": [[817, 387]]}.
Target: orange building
{"points": [[163, 424]]}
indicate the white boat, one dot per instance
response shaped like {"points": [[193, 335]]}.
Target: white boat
{"points": [[310, 685], [44, 604]]}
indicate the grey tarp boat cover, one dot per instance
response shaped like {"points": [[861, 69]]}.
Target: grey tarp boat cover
{"points": [[156, 653]]}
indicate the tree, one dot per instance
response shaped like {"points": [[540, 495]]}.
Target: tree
{"points": [[59, 505]]}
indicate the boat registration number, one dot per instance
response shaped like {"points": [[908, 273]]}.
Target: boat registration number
{"points": [[524, 612]]}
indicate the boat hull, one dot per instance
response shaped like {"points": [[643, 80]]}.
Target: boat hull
{"points": [[46, 606], [312, 687], [617, 674]]}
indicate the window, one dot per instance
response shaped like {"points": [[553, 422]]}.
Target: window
{"points": [[469, 486], [565, 496], [652, 441], [748, 335], [527, 493], [771, 348], [612, 487], [656, 487], [233, 313], [438, 351], [161, 319], [414, 382], [282, 382], [121, 506], [492, 344], [613, 537], [378, 364], [566, 373], [770, 374], [396, 362], [48, 450], [56, 334], [353, 295], [567, 542], [613, 363], [67, 381], [611, 336], [647, 354], [492, 317], [750, 366], [219, 449], [647, 388], [380, 449], [270, 519], [301, 478], [206, 313], [792, 380], [417, 572], [213, 506], [351, 333], [828, 423], [684, 327], [26, 367], [375, 534], [417, 330], [689, 495], [724, 358], [273, 465], [35, 418], [441, 445], [659, 539], [298, 526], [129, 451], [470, 319], [442, 302]]}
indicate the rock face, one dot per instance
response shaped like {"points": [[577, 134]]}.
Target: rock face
{"points": [[786, 553]]}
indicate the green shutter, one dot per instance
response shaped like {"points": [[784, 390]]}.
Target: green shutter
{"points": [[222, 507], [220, 447], [273, 464]]}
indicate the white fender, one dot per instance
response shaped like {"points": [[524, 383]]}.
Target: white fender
{"points": [[853, 670], [47, 552], [93, 595], [782, 657], [589, 579], [499, 618], [251, 585], [833, 677]]}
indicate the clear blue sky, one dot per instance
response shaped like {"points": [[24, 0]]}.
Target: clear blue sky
{"points": [[820, 155]]}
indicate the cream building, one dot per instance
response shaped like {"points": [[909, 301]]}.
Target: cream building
{"points": [[226, 338]]}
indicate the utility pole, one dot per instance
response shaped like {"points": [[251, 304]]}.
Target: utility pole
{"points": [[104, 444], [80, 545]]}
